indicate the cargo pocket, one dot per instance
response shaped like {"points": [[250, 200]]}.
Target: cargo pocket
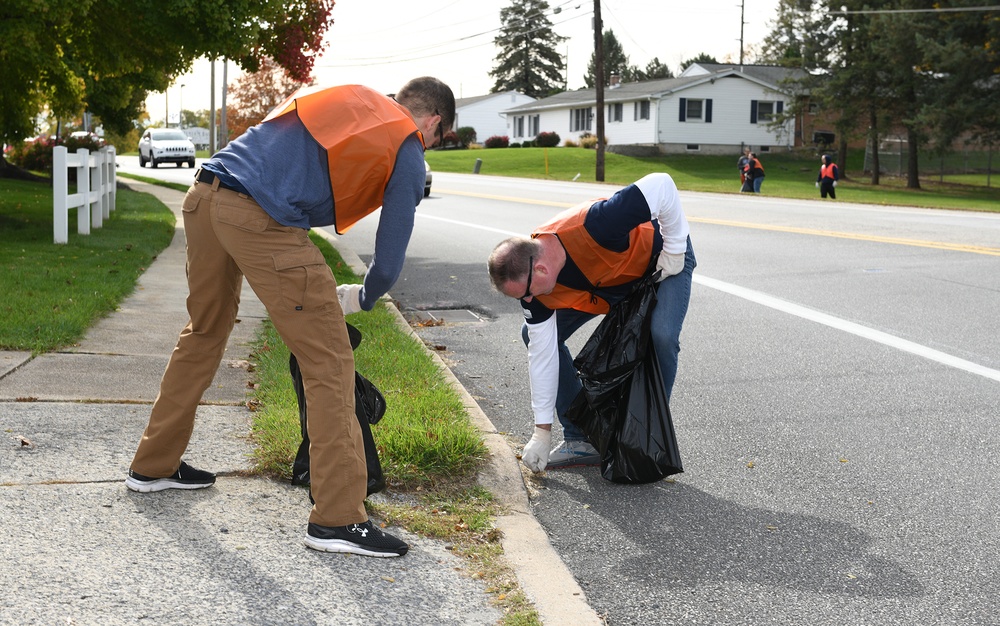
{"points": [[191, 202], [304, 279]]}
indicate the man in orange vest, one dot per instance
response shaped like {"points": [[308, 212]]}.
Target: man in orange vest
{"points": [[828, 177], [576, 267], [323, 157]]}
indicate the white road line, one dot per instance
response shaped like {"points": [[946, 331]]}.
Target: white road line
{"points": [[849, 327]]}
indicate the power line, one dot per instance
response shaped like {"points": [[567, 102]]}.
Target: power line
{"points": [[938, 10], [408, 55]]}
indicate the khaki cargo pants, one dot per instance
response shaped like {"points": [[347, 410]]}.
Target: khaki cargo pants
{"points": [[228, 237]]}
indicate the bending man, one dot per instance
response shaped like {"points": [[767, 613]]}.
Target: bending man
{"points": [[322, 157], [574, 268]]}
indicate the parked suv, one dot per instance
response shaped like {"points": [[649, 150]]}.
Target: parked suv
{"points": [[165, 145]]}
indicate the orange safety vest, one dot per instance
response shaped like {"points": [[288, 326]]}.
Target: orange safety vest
{"points": [[600, 266], [361, 131], [826, 171]]}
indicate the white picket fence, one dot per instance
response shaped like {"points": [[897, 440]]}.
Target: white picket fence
{"points": [[95, 189]]}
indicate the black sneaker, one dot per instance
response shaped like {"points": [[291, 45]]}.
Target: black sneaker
{"points": [[186, 477], [365, 539]]}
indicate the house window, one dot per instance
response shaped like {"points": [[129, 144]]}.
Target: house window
{"points": [[579, 119], [519, 126], [533, 123], [693, 147], [641, 111], [764, 111], [813, 108], [694, 109], [615, 112]]}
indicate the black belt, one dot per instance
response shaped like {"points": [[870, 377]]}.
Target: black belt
{"points": [[207, 177]]}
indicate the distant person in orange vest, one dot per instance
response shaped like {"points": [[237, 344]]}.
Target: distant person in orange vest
{"points": [[323, 157], [828, 177], [755, 173], [577, 266]]}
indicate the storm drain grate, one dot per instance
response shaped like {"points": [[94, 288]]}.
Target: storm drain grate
{"points": [[452, 316]]}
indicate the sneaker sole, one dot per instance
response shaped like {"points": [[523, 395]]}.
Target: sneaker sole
{"points": [[347, 547], [162, 484], [573, 463]]}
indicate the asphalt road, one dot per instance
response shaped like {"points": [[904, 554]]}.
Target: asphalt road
{"points": [[836, 408]]}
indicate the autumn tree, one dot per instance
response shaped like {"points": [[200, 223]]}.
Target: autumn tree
{"points": [[527, 61], [254, 95], [106, 56]]}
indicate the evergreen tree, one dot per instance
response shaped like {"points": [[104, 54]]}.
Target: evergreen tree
{"points": [[701, 58], [615, 61], [655, 70], [527, 61]]}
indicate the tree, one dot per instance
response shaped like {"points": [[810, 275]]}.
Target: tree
{"points": [[655, 70], [255, 94], [701, 58], [106, 56], [615, 61], [527, 61]]}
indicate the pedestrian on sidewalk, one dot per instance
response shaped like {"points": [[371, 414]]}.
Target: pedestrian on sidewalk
{"points": [[576, 267], [323, 157], [828, 176]]}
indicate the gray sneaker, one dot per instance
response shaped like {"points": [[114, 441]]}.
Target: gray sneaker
{"points": [[573, 454]]}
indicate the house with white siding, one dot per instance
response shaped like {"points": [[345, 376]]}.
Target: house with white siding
{"points": [[484, 113], [709, 109]]}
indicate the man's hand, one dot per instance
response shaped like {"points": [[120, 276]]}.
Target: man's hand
{"points": [[536, 453], [669, 264], [349, 297], [817, 185], [834, 183]]}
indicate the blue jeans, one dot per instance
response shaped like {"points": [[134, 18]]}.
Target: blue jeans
{"points": [[756, 184], [672, 296]]}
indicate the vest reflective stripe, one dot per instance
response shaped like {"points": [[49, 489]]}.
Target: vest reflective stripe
{"points": [[361, 142], [826, 171], [601, 267]]}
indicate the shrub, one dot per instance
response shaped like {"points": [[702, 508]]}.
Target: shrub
{"points": [[588, 141], [529, 144], [571, 144], [497, 141], [466, 136], [450, 140], [514, 145], [547, 140], [35, 155]]}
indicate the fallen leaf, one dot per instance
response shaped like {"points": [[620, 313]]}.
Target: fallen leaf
{"points": [[843, 460], [750, 464], [388, 579], [770, 527], [851, 576]]}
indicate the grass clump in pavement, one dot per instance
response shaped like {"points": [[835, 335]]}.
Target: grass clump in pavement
{"points": [[54, 292]]}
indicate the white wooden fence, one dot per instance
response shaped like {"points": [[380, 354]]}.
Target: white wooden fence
{"points": [[95, 189]]}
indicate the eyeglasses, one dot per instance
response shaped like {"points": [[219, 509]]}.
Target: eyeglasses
{"points": [[531, 269], [440, 131]]}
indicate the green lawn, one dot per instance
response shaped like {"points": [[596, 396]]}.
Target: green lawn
{"points": [[787, 175]]}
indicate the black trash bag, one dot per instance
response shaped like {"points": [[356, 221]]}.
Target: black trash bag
{"points": [[623, 406], [369, 407]]}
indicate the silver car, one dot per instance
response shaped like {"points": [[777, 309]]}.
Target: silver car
{"points": [[165, 145]]}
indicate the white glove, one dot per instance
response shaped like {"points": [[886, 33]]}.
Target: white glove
{"points": [[834, 183], [817, 185], [349, 297], [669, 264], [536, 452]]}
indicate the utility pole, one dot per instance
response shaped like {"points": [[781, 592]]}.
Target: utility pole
{"points": [[224, 139], [599, 82], [742, 23]]}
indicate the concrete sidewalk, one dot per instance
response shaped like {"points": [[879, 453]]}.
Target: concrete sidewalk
{"points": [[79, 548]]}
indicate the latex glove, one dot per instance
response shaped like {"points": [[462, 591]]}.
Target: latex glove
{"points": [[817, 185], [834, 183], [669, 264], [349, 297], [536, 452]]}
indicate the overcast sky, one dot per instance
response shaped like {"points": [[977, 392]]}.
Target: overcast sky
{"points": [[384, 43]]}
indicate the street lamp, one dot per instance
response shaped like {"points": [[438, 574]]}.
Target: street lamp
{"points": [[180, 102]]}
